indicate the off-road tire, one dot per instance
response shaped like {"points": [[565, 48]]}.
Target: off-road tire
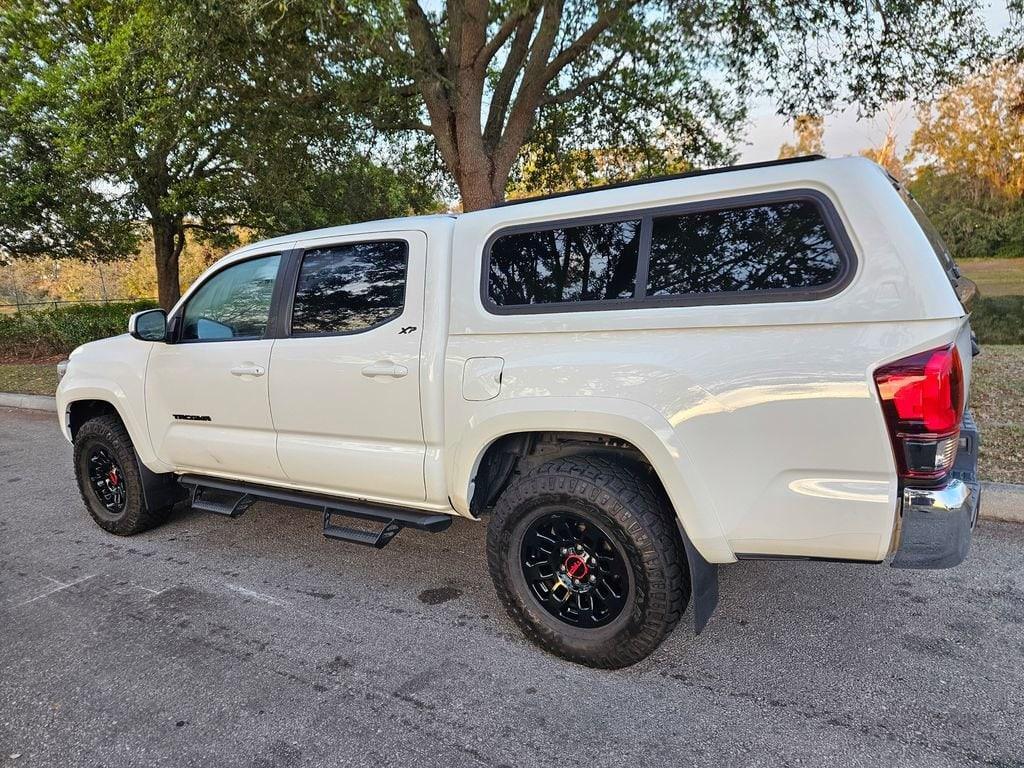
{"points": [[108, 432], [625, 505]]}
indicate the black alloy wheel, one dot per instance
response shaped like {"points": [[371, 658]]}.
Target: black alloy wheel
{"points": [[574, 570], [107, 480], [586, 557]]}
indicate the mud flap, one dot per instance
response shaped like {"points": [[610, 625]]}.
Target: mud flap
{"points": [[159, 490], [703, 584]]}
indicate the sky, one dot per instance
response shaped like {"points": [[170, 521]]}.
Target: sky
{"points": [[845, 134]]}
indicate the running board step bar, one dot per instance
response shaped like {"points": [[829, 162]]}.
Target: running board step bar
{"points": [[221, 502], [377, 539], [229, 497]]}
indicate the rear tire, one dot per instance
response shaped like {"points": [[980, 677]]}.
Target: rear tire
{"points": [[634, 584], [109, 479]]}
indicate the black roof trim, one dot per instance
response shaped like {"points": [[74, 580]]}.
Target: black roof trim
{"points": [[672, 177]]}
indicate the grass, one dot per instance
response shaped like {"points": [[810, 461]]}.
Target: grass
{"points": [[997, 401], [28, 378], [998, 314], [998, 319], [995, 277]]}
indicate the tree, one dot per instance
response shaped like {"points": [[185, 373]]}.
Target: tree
{"points": [[480, 77], [887, 153], [190, 116], [809, 131], [974, 130], [969, 145], [543, 168]]}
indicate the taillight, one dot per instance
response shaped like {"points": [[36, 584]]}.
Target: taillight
{"points": [[923, 400]]}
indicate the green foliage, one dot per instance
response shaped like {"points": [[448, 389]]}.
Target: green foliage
{"points": [[57, 331], [973, 226], [535, 90], [186, 114], [971, 181], [998, 319]]}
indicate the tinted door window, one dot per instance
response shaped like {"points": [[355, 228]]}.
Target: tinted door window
{"points": [[568, 264], [348, 288], [234, 303], [761, 247]]}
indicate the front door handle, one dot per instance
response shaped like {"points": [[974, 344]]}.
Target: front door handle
{"points": [[248, 370], [385, 368]]}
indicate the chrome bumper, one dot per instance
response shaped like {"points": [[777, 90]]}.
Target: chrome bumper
{"points": [[936, 523]]}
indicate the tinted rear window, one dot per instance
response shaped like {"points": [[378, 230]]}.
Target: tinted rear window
{"points": [[594, 262], [780, 246], [755, 248]]}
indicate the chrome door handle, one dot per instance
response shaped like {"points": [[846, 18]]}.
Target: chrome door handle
{"points": [[248, 370], [385, 368]]}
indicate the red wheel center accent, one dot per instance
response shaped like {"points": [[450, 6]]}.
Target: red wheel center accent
{"points": [[114, 480], [576, 567]]}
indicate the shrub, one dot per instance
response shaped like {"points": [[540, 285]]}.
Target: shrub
{"points": [[998, 319], [56, 331]]}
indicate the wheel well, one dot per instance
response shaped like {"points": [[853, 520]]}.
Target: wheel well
{"points": [[82, 411], [515, 454]]}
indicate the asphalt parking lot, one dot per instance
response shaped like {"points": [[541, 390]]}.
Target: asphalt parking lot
{"points": [[255, 642]]}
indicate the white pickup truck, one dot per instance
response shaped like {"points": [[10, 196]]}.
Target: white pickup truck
{"points": [[632, 384]]}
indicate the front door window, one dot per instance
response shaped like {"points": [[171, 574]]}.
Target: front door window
{"points": [[234, 303]]}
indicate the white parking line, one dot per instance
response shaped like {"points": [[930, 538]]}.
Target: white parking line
{"points": [[60, 587], [256, 595]]}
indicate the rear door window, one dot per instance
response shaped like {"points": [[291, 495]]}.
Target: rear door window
{"points": [[349, 288]]}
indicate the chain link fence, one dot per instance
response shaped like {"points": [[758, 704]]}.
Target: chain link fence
{"points": [[36, 305]]}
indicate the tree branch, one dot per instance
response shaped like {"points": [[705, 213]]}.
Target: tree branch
{"points": [[604, 20], [568, 94], [523, 110], [502, 93], [426, 50], [433, 81], [508, 26]]}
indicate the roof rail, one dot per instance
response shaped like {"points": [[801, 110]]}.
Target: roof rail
{"points": [[671, 177]]}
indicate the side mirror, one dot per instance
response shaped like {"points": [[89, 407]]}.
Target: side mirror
{"points": [[150, 325]]}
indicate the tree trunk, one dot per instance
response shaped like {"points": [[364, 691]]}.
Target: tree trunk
{"points": [[481, 174], [168, 242], [476, 187]]}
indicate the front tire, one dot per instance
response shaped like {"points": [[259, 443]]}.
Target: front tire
{"points": [[588, 561], [109, 479]]}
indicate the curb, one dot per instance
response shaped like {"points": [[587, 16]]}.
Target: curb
{"points": [[1000, 501], [32, 402]]}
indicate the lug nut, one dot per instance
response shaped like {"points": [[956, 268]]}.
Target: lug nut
{"points": [[565, 551], [575, 582], [561, 567], [579, 547], [593, 578]]}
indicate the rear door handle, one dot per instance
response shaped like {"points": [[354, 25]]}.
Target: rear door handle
{"points": [[385, 368], [248, 370]]}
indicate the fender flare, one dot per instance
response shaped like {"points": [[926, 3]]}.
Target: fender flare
{"points": [[628, 420], [111, 393]]}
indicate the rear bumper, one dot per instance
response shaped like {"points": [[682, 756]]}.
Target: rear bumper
{"points": [[936, 523]]}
